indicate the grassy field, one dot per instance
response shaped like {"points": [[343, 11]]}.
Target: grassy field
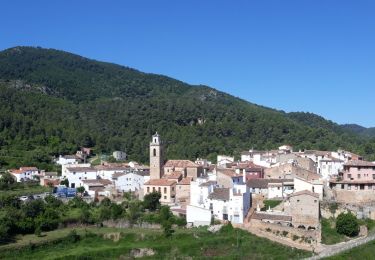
{"points": [[270, 203], [26, 190], [364, 252], [329, 233], [195, 243]]}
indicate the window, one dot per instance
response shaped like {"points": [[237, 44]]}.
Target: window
{"points": [[165, 197], [165, 190], [342, 186], [349, 186], [349, 176], [148, 189], [154, 152], [153, 189], [358, 176], [159, 190], [373, 176], [315, 201], [172, 188], [297, 200]]}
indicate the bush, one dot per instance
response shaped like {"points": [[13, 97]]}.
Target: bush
{"points": [[347, 224], [73, 237]]}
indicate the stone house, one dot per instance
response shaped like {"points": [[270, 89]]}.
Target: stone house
{"points": [[186, 167], [304, 209], [167, 189]]}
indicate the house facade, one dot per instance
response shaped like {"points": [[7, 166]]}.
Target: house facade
{"points": [[356, 184], [166, 188]]}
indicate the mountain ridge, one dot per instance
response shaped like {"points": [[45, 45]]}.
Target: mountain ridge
{"points": [[53, 101]]}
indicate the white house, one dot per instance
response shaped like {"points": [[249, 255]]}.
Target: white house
{"points": [[107, 171], [313, 185], [76, 175], [131, 181], [68, 159], [330, 167], [119, 155], [24, 173], [230, 204], [222, 160], [278, 190]]}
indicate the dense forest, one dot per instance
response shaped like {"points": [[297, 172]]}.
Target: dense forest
{"points": [[52, 102]]}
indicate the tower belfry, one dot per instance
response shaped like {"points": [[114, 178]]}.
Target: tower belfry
{"points": [[156, 157]]}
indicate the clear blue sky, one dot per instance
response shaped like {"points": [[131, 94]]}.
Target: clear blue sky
{"points": [[302, 55]]}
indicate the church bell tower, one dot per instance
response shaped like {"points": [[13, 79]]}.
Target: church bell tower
{"points": [[156, 157]]}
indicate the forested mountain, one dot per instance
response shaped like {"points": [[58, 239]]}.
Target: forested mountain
{"points": [[52, 102], [357, 129]]}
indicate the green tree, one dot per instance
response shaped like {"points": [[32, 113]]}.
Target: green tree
{"points": [[347, 224], [65, 182], [81, 190], [151, 201]]}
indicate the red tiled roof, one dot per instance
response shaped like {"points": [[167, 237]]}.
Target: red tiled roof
{"points": [[94, 181], [185, 181], [359, 163], [160, 182], [28, 169], [181, 164], [81, 169], [229, 172]]}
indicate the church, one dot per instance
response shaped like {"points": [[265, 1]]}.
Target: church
{"points": [[170, 178]]}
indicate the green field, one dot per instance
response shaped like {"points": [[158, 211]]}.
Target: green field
{"points": [[195, 243], [363, 252], [26, 190], [329, 233]]}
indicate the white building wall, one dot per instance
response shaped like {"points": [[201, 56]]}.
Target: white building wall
{"points": [[314, 186], [198, 216]]}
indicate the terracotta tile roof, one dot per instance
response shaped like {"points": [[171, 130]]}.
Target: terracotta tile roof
{"points": [[28, 168], [219, 194], [246, 165], [173, 175], [208, 183], [15, 171], [261, 216], [229, 172], [160, 182], [263, 183], [81, 169], [185, 181], [304, 192], [103, 182], [181, 164], [50, 174], [359, 163]]}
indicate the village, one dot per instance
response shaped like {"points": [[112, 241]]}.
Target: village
{"points": [[279, 194]]}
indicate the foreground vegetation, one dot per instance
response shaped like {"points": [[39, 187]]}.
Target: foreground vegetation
{"points": [[45, 94], [366, 251], [38, 216], [109, 243]]}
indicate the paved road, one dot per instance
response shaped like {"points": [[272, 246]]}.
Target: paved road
{"points": [[332, 250]]}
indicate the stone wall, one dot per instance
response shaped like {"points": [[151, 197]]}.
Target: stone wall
{"points": [[303, 239], [126, 224]]}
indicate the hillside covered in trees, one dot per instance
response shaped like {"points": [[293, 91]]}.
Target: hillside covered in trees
{"points": [[52, 102]]}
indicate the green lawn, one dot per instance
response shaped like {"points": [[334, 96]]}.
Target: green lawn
{"points": [[329, 234], [366, 251], [270, 203], [195, 243]]}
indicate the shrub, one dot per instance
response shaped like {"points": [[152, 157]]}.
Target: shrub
{"points": [[73, 237], [295, 237], [347, 224], [285, 233]]}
